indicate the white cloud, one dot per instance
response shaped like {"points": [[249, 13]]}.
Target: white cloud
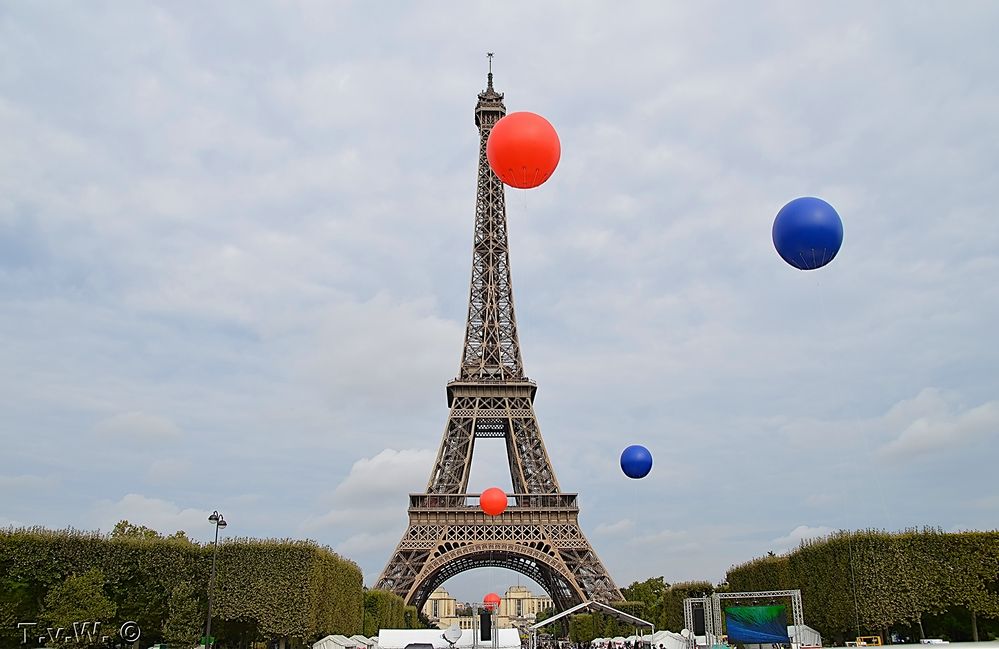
{"points": [[366, 543], [662, 538], [161, 515], [931, 422], [383, 354], [934, 420], [617, 527], [374, 493], [800, 533], [368, 514], [386, 475]]}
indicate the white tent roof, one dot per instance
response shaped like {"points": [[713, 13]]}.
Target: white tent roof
{"points": [[600, 606], [667, 639], [337, 641], [399, 638]]}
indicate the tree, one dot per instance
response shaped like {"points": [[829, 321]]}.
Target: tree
{"points": [[581, 627], [671, 616], [544, 614], [125, 530], [78, 600], [415, 619], [649, 591], [183, 624], [179, 535]]}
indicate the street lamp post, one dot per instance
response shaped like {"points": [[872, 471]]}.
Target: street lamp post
{"points": [[219, 522]]}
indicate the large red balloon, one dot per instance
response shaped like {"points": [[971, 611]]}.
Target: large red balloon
{"points": [[493, 501], [523, 150], [492, 601]]}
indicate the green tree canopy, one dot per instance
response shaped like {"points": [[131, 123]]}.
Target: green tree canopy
{"points": [[186, 617], [78, 600], [125, 530]]}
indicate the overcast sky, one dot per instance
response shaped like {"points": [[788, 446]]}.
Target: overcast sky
{"points": [[235, 242]]}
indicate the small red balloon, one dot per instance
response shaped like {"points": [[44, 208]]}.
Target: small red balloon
{"points": [[523, 150], [492, 601], [493, 501]]}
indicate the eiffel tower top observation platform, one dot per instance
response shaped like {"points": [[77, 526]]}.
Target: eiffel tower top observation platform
{"points": [[539, 534]]}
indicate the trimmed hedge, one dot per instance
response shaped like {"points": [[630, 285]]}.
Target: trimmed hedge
{"points": [[898, 578], [383, 610], [265, 589]]}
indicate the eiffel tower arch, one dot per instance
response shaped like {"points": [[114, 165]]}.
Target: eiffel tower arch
{"points": [[538, 535]]}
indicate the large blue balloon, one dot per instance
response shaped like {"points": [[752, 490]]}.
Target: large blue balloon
{"points": [[808, 233], [636, 461]]}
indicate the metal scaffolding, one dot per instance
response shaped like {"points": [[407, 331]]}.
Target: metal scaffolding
{"points": [[713, 621]]}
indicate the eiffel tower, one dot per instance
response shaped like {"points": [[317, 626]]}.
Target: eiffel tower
{"points": [[538, 535]]}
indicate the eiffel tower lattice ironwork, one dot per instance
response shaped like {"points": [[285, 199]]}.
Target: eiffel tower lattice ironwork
{"points": [[538, 535]]}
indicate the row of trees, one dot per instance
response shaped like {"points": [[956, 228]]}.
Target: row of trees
{"points": [[291, 591], [663, 602], [652, 600], [915, 584], [853, 583], [584, 627]]}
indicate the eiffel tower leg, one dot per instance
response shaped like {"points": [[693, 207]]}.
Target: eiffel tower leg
{"points": [[454, 458], [591, 575], [527, 453]]}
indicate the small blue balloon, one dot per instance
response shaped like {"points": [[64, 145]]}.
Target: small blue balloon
{"points": [[808, 233], [636, 461]]}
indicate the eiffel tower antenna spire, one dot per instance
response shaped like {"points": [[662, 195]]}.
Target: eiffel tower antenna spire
{"points": [[539, 534]]}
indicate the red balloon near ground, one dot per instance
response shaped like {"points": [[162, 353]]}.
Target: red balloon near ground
{"points": [[523, 150], [493, 501], [492, 601]]}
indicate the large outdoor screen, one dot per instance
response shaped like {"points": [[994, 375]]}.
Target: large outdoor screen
{"points": [[756, 624]]}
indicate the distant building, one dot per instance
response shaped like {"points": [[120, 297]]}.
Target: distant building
{"points": [[440, 605], [518, 608]]}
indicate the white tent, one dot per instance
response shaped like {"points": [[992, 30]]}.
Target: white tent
{"points": [[337, 641], [809, 636], [362, 641], [399, 638], [666, 639]]}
